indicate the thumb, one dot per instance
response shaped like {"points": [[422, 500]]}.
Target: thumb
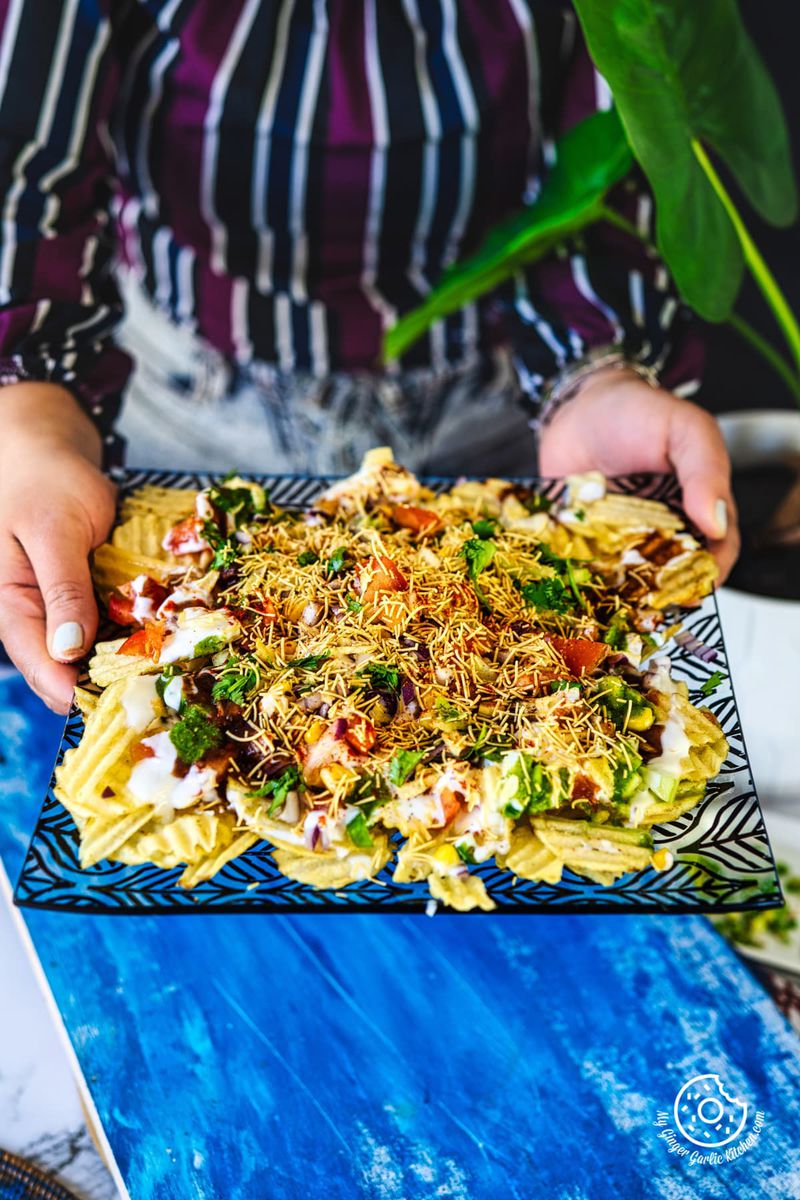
{"points": [[698, 454], [59, 556]]}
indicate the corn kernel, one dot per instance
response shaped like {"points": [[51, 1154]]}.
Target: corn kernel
{"points": [[662, 860], [448, 855], [314, 731], [333, 775]]}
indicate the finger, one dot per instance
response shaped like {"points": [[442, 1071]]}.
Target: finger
{"points": [[59, 556], [698, 454], [22, 630]]}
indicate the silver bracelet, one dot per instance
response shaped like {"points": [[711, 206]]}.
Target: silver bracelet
{"points": [[567, 383]]}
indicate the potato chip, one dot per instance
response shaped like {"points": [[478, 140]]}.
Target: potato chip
{"points": [[113, 566], [584, 846], [171, 504], [461, 892], [529, 858], [326, 869], [106, 666], [684, 581]]}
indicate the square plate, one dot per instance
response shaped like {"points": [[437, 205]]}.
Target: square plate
{"points": [[722, 855]]}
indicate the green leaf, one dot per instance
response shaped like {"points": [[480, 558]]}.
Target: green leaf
{"points": [[712, 683], [683, 72], [479, 554], [309, 663], [307, 558], [484, 528], [353, 604], [382, 676], [403, 765], [278, 789], [547, 594], [337, 561], [465, 853], [590, 158], [238, 681]]}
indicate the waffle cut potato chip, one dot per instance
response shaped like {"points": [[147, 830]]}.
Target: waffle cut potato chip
{"points": [[112, 566], [684, 581], [693, 745], [170, 504], [204, 841], [606, 850], [108, 666], [530, 858]]}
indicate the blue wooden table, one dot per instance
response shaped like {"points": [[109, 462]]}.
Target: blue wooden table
{"points": [[397, 1058]]}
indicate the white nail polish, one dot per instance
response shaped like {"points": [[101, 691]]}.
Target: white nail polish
{"points": [[67, 639], [721, 518]]}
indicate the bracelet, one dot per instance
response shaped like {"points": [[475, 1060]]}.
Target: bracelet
{"points": [[568, 382]]}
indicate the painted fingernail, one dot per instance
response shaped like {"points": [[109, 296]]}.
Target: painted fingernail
{"points": [[67, 639], [721, 518]]}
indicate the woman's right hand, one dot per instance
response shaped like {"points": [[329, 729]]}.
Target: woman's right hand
{"points": [[55, 507]]}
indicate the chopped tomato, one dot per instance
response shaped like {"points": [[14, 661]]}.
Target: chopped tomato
{"points": [[383, 575], [420, 520], [581, 655], [266, 607], [451, 803], [120, 609], [140, 751], [186, 537], [360, 733], [146, 642]]}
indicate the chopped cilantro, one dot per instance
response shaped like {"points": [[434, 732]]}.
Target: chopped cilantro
{"points": [[307, 558], [225, 548], [478, 553], [547, 594], [403, 765], [535, 502], [712, 683], [309, 663], [337, 561], [484, 528], [580, 514], [239, 679], [209, 645], [358, 831], [353, 604], [278, 789], [563, 685], [368, 792], [194, 734], [448, 712], [465, 853], [485, 748], [382, 676], [617, 632]]}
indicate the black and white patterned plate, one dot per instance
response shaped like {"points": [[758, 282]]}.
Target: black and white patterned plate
{"points": [[722, 857]]}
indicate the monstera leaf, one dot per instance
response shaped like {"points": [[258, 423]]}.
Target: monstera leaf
{"points": [[686, 77], [592, 157]]}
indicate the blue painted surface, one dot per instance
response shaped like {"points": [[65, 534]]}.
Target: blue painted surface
{"points": [[354, 1056]]}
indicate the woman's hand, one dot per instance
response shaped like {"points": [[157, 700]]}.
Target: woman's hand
{"points": [[55, 506], [618, 424]]}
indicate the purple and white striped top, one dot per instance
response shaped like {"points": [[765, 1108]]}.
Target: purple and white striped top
{"points": [[288, 175]]}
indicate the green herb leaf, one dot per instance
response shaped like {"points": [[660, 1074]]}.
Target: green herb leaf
{"points": [[550, 594], [337, 561], [279, 789], [484, 528], [403, 765], [238, 681], [712, 683], [309, 663], [194, 734], [478, 553], [307, 558], [353, 604], [382, 676], [465, 853]]}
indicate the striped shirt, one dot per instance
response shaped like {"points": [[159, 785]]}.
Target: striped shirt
{"points": [[287, 176]]}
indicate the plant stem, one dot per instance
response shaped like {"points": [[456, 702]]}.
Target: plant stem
{"points": [[751, 335], [758, 268], [742, 327]]}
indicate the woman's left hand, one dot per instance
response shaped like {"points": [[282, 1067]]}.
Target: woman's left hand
{"points": [[618, 424]]}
